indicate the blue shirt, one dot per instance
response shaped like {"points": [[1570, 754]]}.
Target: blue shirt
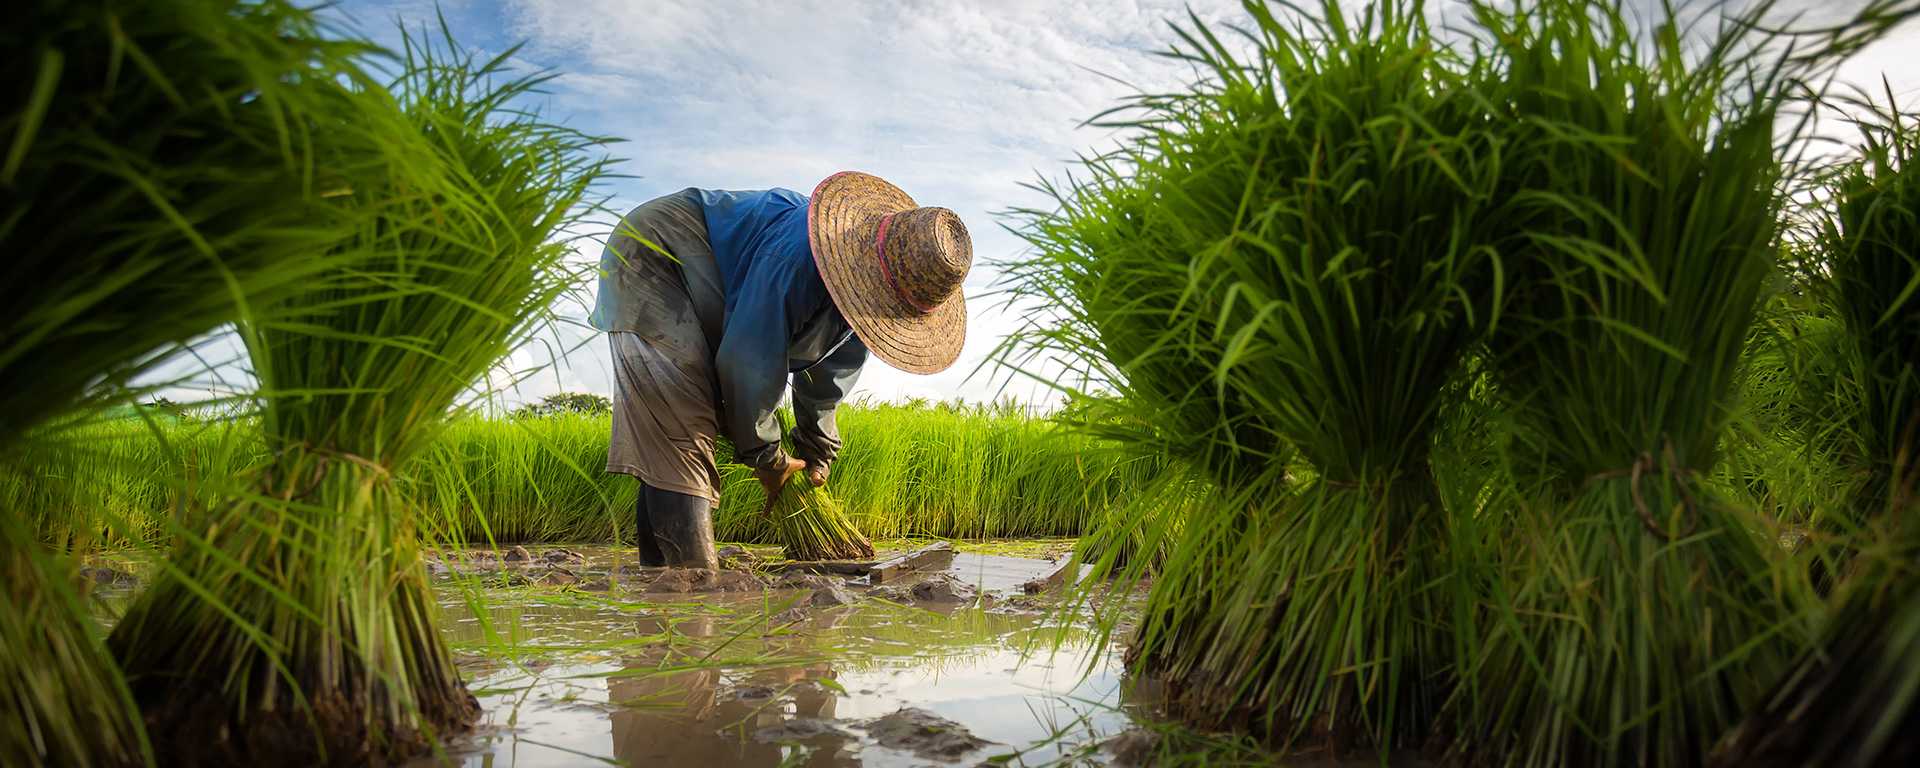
{"points": [[779, 324]]}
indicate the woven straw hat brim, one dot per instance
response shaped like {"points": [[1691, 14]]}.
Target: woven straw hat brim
{"points": [[842, 220]]}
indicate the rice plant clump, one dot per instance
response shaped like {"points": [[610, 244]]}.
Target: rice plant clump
{"points": [[1872, 245], [296, 624], [162, 168], [812, 525], [158, 173], [1290, 256], [1636, 613], [808, 522], [1852, 701]]}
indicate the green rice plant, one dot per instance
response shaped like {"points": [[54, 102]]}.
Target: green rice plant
{"points": [[1852, 699], [905, 470], [811, 525], [1631, 613], [159, 166], [1785, 453], [1872, 245], [501, 481], [112, 484], [168, 162], [492, 481], [1291, 255], [296, 624], [66, 701], [808, 522]]}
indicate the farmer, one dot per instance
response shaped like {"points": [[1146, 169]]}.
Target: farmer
{"points": [[713, 301]]}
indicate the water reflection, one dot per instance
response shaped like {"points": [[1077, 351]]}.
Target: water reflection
{"points": [[720, 685], [701, 725], [702, 716]]}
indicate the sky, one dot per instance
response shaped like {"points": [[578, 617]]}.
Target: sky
{"points": [[959, 102]]}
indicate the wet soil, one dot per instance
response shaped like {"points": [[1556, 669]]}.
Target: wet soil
{"points": [[192, 723], [925, 734]]}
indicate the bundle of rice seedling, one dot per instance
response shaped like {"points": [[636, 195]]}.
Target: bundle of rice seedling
{"points": [[1289, 256], [158, 172], [1634, 614], [1786, 453], [1872, 248], [812, 525], [165, 165], [807, 521], [1855, 699], [66, 702], [296, 624]]}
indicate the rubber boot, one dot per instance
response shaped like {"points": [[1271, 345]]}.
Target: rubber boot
{"points": [[650, 556], [683, 526]]}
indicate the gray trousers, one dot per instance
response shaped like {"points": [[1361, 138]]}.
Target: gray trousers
{"points": [[665, 401]]}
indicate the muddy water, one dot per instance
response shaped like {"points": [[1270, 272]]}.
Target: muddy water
{"points": [[605, 671], [760, 678]]}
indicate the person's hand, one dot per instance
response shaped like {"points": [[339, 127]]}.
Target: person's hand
{"points": [[773, 477], [817, 474]]}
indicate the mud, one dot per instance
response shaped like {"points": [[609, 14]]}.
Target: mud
{"points": [[192, 723], [940, 589], [562, 556], [696, 580], [738, 559], [825, 591], [515, 557], [1133, 747], [925, 734], [945, 589], [801, 729]]}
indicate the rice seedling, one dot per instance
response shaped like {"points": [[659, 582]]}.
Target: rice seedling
{"points": [[1873, 249], [163, 159], [66, 703], [1784, 455], [296, 624], [1851, 701], [1289, 256], [536, 479], [811, 525], [112, 484], [159, 176], [1632, 613], [902, 472]]}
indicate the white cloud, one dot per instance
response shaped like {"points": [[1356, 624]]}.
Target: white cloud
{"points": [[956, 102]]}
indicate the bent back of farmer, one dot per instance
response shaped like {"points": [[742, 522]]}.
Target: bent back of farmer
{"points": [[715, 302]]}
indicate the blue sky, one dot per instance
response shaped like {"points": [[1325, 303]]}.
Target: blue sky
{"points": [[958, 102]]}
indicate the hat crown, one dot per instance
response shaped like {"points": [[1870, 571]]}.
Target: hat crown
{"points": [[927, 254]]}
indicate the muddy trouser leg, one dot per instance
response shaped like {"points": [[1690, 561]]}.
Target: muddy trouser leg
{"points": [[665, 404], [650, 556], [683, 526]]}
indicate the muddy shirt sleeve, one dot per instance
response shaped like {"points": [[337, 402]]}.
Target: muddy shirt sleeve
{"points": [[751, 365], [817, 391]]}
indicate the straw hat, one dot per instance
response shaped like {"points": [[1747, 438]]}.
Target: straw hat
{"points": [[893, 268]]}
